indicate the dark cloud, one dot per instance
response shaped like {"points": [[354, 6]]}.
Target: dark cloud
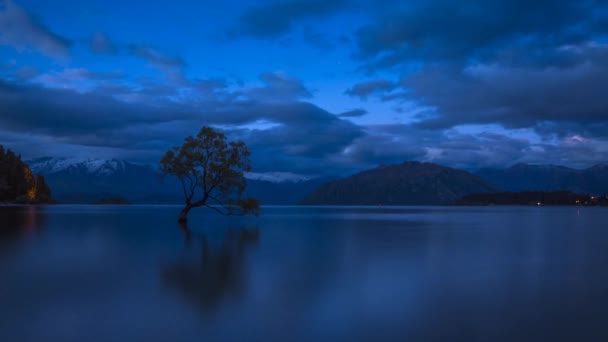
{"points": [[304, 142], [27, 73], [19, 74], [511, 65], [300, 137], [290, 136], [171, 66], [317, 39], [502, 62], [390, 144], [22, 31], [64, 113], [444, 30], [72, 78], [353, 113], [382, 144], [279, 88], [513, 96], [101, 44], [273, 19], [365, 89], [155, 57], [210, 84]]}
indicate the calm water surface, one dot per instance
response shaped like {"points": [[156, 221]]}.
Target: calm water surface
{"points": [[129, 273]]}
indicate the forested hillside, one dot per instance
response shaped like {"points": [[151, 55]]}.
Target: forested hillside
{"points": [[18, 183]]}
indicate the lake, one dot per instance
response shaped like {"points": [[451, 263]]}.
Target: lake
{"points": [[129, 273]]}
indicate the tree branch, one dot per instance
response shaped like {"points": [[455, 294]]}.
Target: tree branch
{"points": [[217, 210], [222, 205], [201, 202], [193, 184], [181, 179]]}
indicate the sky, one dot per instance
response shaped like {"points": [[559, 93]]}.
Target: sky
{"points": [[314, 87]]}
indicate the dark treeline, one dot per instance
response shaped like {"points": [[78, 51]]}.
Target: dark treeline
{"points": [[533, 198], [18, 183]]}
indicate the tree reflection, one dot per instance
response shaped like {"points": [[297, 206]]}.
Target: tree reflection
{"points": [[215, 272]]}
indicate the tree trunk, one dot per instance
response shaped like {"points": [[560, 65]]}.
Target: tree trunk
{"points": [[183, 216]]}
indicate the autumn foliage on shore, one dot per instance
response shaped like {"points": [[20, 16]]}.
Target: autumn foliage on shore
{"points": [[17, 182]]}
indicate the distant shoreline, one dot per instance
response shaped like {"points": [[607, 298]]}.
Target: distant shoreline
{"points": [[534, 198]]}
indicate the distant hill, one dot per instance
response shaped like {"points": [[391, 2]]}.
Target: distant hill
{"points": [[526, 177], [410, 183], [93, 180]]}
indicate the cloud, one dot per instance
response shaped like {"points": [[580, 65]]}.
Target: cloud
{"points": [[317, 39], [22, 31], [300, 137], [353, 113], [79, 79], [19, 73], [64, 113], [470, 64], [155, 57], [365, 89], [279, 87], [276, 18], [101, 44], [443, 30], [304, 142], [171, 66], [514, 96], [390, 144], [449, 65]]}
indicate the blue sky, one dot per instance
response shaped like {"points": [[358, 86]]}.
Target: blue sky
{"points": [[314, 87]]}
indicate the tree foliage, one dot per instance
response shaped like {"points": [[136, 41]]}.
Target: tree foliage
{"points": [[43, 191], [211, 171], [18, 183]]}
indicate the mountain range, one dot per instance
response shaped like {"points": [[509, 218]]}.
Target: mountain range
{"points": [[527, 177], [92, 180]]}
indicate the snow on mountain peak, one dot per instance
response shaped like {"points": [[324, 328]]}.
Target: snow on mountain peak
{"points": [[277, 177], [48, 165], [108, 167]]}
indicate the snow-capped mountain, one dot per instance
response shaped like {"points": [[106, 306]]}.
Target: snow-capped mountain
{"points": [[277, 177], [48, 165], [75, 180], [108, 167]]}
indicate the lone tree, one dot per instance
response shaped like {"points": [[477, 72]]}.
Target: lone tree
{"points": [[211, 171]]}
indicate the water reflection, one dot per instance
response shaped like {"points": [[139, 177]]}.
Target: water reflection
{"points": [[20, 221], [99, 273], [211, 271]]}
